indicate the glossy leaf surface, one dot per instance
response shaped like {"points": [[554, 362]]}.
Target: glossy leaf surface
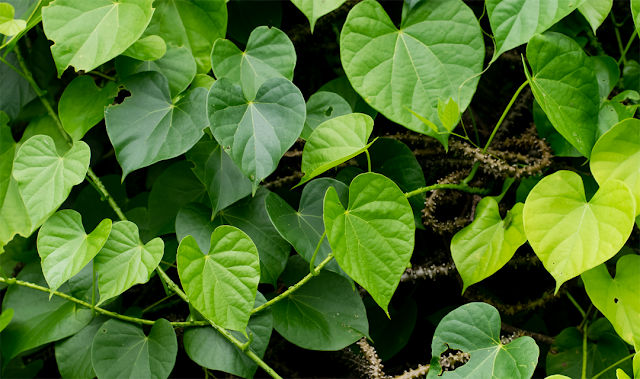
{"points": [[82, 105]]}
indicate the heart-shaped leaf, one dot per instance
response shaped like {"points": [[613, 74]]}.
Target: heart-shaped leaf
{"points": [[565, 85], [571, 235], [45, 178], [595, 11], [124, 261], [474, 328], [122, 350], [148, 48], [438, 47], [321, 107], [616, 156], [373, 238], [222, 284], [334, 142], [82, 105], [269, 54], [482, 248], [194, 24], [316, 9], [65, 248], [256, 133], [194, 220], [90, 33], [148, 126], [9, 26]]}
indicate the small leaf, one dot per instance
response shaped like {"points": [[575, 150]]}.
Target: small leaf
{"points": [[595, 11], [571, 235], [82, 105], [373, 238], [73, 355], [5, 318], [122, 350], [321, 107], [316, 9], [9, 26], [147, 48], [222, 284], [342, 87], [425, 121], [448, 113]]}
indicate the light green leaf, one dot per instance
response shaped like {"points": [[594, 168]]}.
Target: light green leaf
{"points": [[373, 238], [438, 47], [616, 156], [177, 65], [256, 133], [448, 113], [90, 33], [5, 318], [65, 248], [571, 235], [224, 181], [148, 126], [45, 178], [9, 26], [514, 22], [621, 374], [316, 9], [474, 328], [321, 107], [122, 350], [147, 48], [595, 11], [222, 284], [269, 54], [124, 261], [202, 80], [73, 355], [565, 85], [195, 24], [323, 314], [342, 87], [334, 142], [561, 147], [14, 218], [607, 74], [428, 123], [635, 11], [482, 248], [16, 90], [47, 126], [82, 105]]}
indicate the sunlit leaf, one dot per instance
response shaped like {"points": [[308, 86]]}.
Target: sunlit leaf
{"points": [[316, 9], [148, 48], [5, 318], [82, 105], [595, 11], [9, 26], [635, 11], [448, 113]]}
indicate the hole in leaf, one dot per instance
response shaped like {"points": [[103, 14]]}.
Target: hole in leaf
{"points": [[328, 112], [615, 300], [451, 359]]}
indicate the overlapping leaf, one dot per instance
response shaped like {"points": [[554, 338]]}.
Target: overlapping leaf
{"points": [[321, 107], [342, 87], [148, 48], [8, 25], [73, 355], [16, 90], [82, 105], [595, 11]]}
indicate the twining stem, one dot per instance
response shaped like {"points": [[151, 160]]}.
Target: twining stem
{"points": [[150, 307], [461, 187], [315, 253], [475, 128], [504, 114], [626, 49], [98, 73], [615, 28], [368, 159], [578, 307], [584, 352], [613, 365]]}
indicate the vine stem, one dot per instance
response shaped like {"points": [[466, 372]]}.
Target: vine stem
{"points": [[613, 365], [626, 49], [98, 73], [504, 114], [461, 187], [584, 352], [150, 307], [315, 254], [578, 307]]}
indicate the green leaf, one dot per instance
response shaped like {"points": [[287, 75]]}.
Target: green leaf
{"points": [[177, 65], [561, 147], [122, 350], [484, 247], [321, 107], [14, 218], [342, 87], [373, 238], [18, 370], [565, 85], [7, 152], [194, 220], [391, 335], [571, 235], [65, 248], [124, 261], [595, 11], [222, 284], [630, 75], [5, 318], [16, 90], [195, 24], [323, 314], [438, 47], [90, 33], [202, 80], [616, 156], [448, 113], [316, 9], [269, 54], [607, 74], [82, 105], [47, 126], [256, 133], [635, 11], [208, 348], [148, 126], [45, 178], [334, 142], [9, 26], [39, 320], [148, 48], [474, 328], [514, 22], [224, 181], [73, 355]]}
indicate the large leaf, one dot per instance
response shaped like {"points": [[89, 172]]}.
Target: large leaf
{"points": [[269, 54], [571, 235], [222, 284], [45, 178], [564, 83], [316, 9], [192, 23], [124, 261], [256, 132], [208, 348], [65, 248], [73, 355], [482, 248], [334, 142], [149, 127], [224, 181], [90, 33], [122, 350], [595, 11], [16, 90], [321, 107], [474, 328], [373, 238], [438, 47], [82, 105], [324, 314]]}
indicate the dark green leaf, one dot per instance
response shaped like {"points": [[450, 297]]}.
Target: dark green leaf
{"points": [[321, 107], [16, 91], [82, 105], [73, 354]]}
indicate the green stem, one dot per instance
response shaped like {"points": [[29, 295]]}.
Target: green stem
{"points": [[586, 316], [584, 352], [504, 114], [294, 287], [461, 187], [368, 159], [626, 49], [150, 307], [473, 122], [575, 303], [93, 292], [97, 73], [615, 28], [315, 253], [613, 365], [471, 174]]}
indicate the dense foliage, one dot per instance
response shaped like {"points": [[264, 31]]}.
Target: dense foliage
{"points": [[168, 197]]}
